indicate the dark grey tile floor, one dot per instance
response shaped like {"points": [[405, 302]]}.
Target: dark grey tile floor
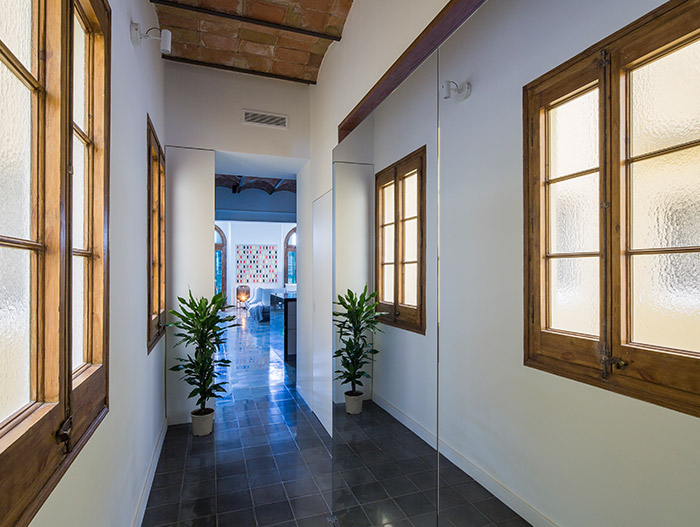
{"points": [[270, 462]]}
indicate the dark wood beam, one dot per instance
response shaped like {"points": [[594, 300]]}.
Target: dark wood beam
{"points": [[237, 70], [248, 20], [453, 15]]}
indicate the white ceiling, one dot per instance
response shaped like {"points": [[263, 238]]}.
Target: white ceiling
{"points": [[257, 165]]}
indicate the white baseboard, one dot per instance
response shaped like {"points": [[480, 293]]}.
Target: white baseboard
{"points": [[495, 487], [146, 490]]}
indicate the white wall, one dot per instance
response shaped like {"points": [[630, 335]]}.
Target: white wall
{"points": [[108, 483], [255, 205], [353, 248], [205, 110], [579, 455], [322, 355], [190, 252], [256, 233]]}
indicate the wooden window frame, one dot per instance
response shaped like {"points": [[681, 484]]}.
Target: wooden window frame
{"points": [[397, 314], [39, 442], [287, 249], [155, 267], [223, 248], [663, 376]]}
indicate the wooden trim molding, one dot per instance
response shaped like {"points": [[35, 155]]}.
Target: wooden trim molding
{"points": [[453, 15]]}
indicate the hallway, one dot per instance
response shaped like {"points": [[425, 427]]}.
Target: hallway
{"points": [[268, 462]]}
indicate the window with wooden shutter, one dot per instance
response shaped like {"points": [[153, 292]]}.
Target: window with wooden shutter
{"points": [[156, 237], [54, 137], [400, 242], [612, 212]]}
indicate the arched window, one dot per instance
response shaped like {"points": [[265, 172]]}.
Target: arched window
{"points": [[219, 261], [290, 257]]}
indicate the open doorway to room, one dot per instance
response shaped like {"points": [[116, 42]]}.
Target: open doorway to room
{"points": [[255, 264]]}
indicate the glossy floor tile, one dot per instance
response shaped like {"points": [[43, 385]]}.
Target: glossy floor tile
{"points": [[270, 462]]}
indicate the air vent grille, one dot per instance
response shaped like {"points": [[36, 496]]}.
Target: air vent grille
{"points": [[265, 119]]}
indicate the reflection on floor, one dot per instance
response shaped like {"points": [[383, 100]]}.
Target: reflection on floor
{"points": [[269, 461]]}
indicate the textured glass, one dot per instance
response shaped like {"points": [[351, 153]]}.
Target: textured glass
{"points": [[388, 203], [573, 136], [78, 311], [410, 196], [16, 28], [574, 215], [79, 207], [15, 329], [574, 295], [388, 238], [666, 300], [79, 77], [162, 238], [15, 155], [666, 200], [410, 284], [388, 283], [410, 240], [665, 103]]}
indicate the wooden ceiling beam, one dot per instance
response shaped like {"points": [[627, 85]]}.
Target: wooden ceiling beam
{"points": [[237, 70], [248, 20]]}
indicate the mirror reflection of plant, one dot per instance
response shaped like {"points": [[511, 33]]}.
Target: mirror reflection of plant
{"points": [[202, 326], [355, 325]]}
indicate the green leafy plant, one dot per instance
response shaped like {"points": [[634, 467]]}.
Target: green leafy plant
{"points": [[355, 325], [202, 326]]}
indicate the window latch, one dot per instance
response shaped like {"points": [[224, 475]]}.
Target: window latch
{"points": [[64, 433], [609, 362]]}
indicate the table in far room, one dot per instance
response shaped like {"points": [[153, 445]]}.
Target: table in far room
{"points": [[289, 301]]}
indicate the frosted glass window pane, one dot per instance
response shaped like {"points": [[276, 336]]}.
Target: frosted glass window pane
{"points": [[79, 77], [388, 203], [665, 102], [410, 193], [410, 240], [79, 207], [293, 239], [161, 259], [78, 311], [16, 29], [666, 200], [15, 155], [574, 295], [15, 330], [666, 300], [410, 284], [573, 135], [388, 238], [217, 237], [388, 283], [574, 215]]}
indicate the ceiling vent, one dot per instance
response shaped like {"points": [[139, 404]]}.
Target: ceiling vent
{"points": [[265, 119]]}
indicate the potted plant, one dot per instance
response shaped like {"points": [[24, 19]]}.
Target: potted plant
{"points": [[355, 324], [202, 325]]}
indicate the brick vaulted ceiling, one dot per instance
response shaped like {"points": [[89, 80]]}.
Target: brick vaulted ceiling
{"points": [[275, 38]]}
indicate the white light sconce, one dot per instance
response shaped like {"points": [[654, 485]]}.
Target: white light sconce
{"points": [[464, 90], [165, 37]]}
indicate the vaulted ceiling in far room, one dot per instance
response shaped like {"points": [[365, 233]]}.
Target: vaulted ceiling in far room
{"points": [[274, 38]]}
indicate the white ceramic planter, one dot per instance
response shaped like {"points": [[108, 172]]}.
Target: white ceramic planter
{"points": [[353, 403], [202, 425]]}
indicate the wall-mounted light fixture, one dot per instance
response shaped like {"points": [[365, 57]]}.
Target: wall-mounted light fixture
{"points": [[164, 35], [447, 87]]}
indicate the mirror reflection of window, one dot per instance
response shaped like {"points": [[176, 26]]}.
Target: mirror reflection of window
{"points": [[290, 257]]}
